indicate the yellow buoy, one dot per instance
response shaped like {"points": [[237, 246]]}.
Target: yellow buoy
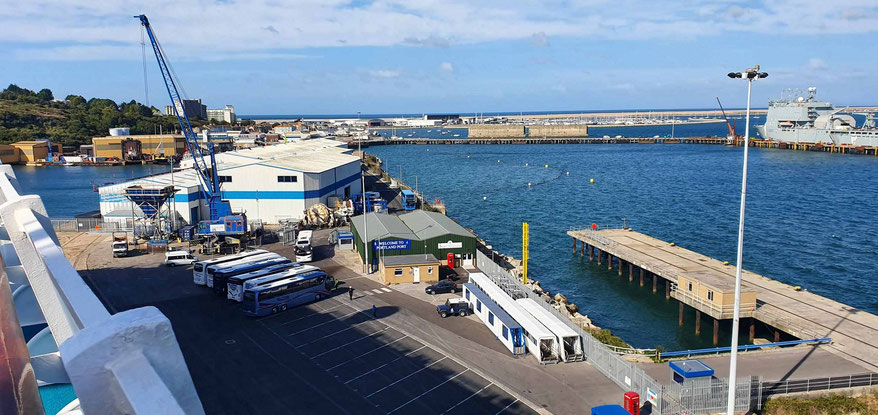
{"points": [[725, 262], [591, 180], [798, 288], [673, 244]]}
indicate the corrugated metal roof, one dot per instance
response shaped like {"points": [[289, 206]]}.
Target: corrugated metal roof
{"points": [[313, 156], [428, 225], [414, 259], [382, 225]]}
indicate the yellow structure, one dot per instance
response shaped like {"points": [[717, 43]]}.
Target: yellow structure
{"points": [[152, 145], [407, 269], [30, 151], [9, 154], [525, 254]]}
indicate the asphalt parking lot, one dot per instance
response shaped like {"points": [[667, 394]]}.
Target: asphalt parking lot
{"points": [[393, 371], [326, 357]]}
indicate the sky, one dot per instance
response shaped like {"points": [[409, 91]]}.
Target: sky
{"points": [[450, 56]]}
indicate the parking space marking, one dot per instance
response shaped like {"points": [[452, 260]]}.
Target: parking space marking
{"points": [[428, 391], [408, 376], [316, 313], [350, 342], [368, 293], [468, 397], [507, 406], [385, 289], [333, 334], [379, 367], [370, 351], [376, 291], [326, 322]]}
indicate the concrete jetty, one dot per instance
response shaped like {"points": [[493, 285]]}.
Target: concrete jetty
{"points": [[707, 285]]}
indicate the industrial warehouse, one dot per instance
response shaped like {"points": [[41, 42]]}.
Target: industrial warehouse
{"points": [[270, 184], [419, 232]]}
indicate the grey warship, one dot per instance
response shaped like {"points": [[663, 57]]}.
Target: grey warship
{"points": [[808, 120]]}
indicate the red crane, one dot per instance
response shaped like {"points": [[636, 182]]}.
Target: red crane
{"points": [[733, 136]]}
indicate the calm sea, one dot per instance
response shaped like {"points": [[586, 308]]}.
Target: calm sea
{"points": [[810, 217]]}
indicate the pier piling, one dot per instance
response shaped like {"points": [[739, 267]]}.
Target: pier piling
{"points": [[752, 329], [598, 253], [697, 322], [654, 280], [667, 289], [591, 253], [610, 262], [715, 332], [681, 314], [574, 245]]}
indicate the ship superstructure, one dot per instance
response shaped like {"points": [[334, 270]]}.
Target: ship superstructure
{"points": [[809, 120]]}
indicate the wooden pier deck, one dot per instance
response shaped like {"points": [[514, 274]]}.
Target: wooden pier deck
{"points": [[802, 314], [541, 140]]}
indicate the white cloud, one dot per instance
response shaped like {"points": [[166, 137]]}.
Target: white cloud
{"points": [[816, 64], [446, 67], [195, 30], [539, 39], [385, 73]]}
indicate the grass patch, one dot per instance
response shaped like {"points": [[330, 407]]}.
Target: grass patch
{"points": [[827, 405], [605, 336]]}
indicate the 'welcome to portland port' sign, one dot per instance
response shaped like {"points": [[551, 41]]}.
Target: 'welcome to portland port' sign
{"points": [[392, 245]]}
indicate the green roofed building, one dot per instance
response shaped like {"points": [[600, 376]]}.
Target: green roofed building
{"points": [[418, 232]]}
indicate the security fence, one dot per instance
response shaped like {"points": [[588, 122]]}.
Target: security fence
{"points": [[769, 389], [700, 398], [91, 225]]}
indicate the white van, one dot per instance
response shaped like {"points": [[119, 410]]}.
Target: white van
{"points": [[174, 258]]}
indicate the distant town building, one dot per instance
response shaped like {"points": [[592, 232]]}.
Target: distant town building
{"points": [[193, 107], [226, 114]]}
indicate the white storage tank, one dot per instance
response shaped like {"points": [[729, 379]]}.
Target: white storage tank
{"points": [[120, 131]]}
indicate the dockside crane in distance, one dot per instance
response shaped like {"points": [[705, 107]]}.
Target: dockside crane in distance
{"points": [[733, 136], [222, 221]]}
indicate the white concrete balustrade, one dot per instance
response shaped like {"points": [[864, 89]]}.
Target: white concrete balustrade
{"points": [[129, 362]]}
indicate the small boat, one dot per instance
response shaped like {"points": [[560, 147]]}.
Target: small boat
{"points": [[457, 135]]}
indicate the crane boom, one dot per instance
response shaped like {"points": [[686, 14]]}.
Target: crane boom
{"points": [[731, 129], [220, 210]]}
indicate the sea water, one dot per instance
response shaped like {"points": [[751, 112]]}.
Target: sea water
{"points": [[810, 217]]}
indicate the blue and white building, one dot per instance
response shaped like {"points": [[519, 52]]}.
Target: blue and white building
{"points": [[270, 183]]}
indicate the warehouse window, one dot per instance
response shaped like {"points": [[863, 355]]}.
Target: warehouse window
{"points": [[397, 272], [709, 295], [287, 179], [467, 294], [690, 287], [429, 270], [478, 305], [225, 179], [491, 318], [347, 192], [505, 333]]}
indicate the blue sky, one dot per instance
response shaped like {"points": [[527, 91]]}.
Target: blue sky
{"points": [[334, 56]]}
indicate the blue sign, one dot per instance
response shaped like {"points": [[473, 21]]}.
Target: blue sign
{"points": [[392, 245]]}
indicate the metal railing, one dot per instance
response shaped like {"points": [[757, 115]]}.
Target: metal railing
{"points": [[129, 362], [743, 348], [723, 310], [768, 389]]}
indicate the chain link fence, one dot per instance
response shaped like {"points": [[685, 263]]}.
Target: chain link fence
{"points": [[91, 225]]}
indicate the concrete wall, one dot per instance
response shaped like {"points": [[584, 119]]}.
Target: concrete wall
{"points": [[496, 131], [539, 131], [429, 273]]}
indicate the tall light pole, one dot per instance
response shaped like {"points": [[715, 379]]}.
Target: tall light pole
{"points": [[366, 245], [751, 74]]}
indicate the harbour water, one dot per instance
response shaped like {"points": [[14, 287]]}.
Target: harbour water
{"points": [[809, 217]]}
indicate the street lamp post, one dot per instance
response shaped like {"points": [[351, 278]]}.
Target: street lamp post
{"points": [[751, 74]]}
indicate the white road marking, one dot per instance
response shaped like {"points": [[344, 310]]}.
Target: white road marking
{"points": [[407, 376], [379, 367], [368, 293], [376, 291], [370, 351], [325, 322], [350, 342], [507, 406], [309, 315], [428, 391], [333, 334], [385, 289], [468, 398]]}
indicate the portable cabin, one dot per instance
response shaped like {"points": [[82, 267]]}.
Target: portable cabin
{"points": [[345, 241], [539, 340], [568, 340], [507, 330]]}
